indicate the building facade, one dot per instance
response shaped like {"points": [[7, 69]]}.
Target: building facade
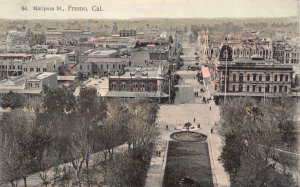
{"points": [[253, 77]]}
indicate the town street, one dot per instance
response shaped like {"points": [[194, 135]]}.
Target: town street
{"points": [[186, 108]]}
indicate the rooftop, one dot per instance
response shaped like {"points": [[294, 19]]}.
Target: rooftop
{"points": [[108, 60], [15, 55], [100, 84]]}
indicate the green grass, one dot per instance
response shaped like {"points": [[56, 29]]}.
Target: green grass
{"points": [[188, 159]]}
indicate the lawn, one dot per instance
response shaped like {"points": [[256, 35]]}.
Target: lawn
{"points": [[188, 159]]}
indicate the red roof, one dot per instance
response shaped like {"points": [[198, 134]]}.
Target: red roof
{"points": [[205, 72], [15, 55]]}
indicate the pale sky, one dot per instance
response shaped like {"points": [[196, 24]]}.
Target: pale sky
{"points": [[123, 9]]}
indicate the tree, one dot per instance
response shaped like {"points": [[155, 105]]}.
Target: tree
{"points": [[12, 100], [15, 147], [251, 131]]}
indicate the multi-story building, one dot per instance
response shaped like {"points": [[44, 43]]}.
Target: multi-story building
{"points": [[53, 37], [30, 85], [140, 82], [253, 77], [11, 63], [127, 32], [51, 64], [100, 66], [10, 68]]}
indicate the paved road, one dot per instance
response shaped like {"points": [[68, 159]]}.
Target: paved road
{"points": [[185, 109]]}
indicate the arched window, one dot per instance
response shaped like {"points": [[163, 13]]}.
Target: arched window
{"points": [[275, 88], [268, 77], [281, 77], [260, 77], [248, 88], [286, 78], [248, 77], [233, 88], [259, 89], [234, 77], [240, 87], [267, 88], [241, 77], [275, 78], [135, 87], [254, 77], [114, 86], [123, 86], [142, 86]]}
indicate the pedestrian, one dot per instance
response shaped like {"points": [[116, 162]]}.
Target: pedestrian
{"points": [[194, 120], [198, 125], [210, 108], [211, 130], [167, 127], [197, 94], [156, 152]]}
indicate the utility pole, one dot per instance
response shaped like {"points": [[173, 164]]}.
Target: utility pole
{"points": [[226, 56]]}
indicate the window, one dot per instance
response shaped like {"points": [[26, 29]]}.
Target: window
{"points": [[275, 88], [248, 77], [88, 66], [37, 84], [233, 88], [259, 89], [285, 89], [241, 77], [286, 78], [240, 87], [106, 66], [13, 67], [275, 79], [114, 66], [280, 88], [30, 84], [80, 66], [267, 88], [38, 69], [281, 77], [150, 87], [44, 69], [260, 77], [268, 77], [248, 88], [31, 69], [234, 77], [54, 66], [101, 66], [25, 69], [254, 77], [123, 86], [142, 86], [113, 86], [253, 88]]}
